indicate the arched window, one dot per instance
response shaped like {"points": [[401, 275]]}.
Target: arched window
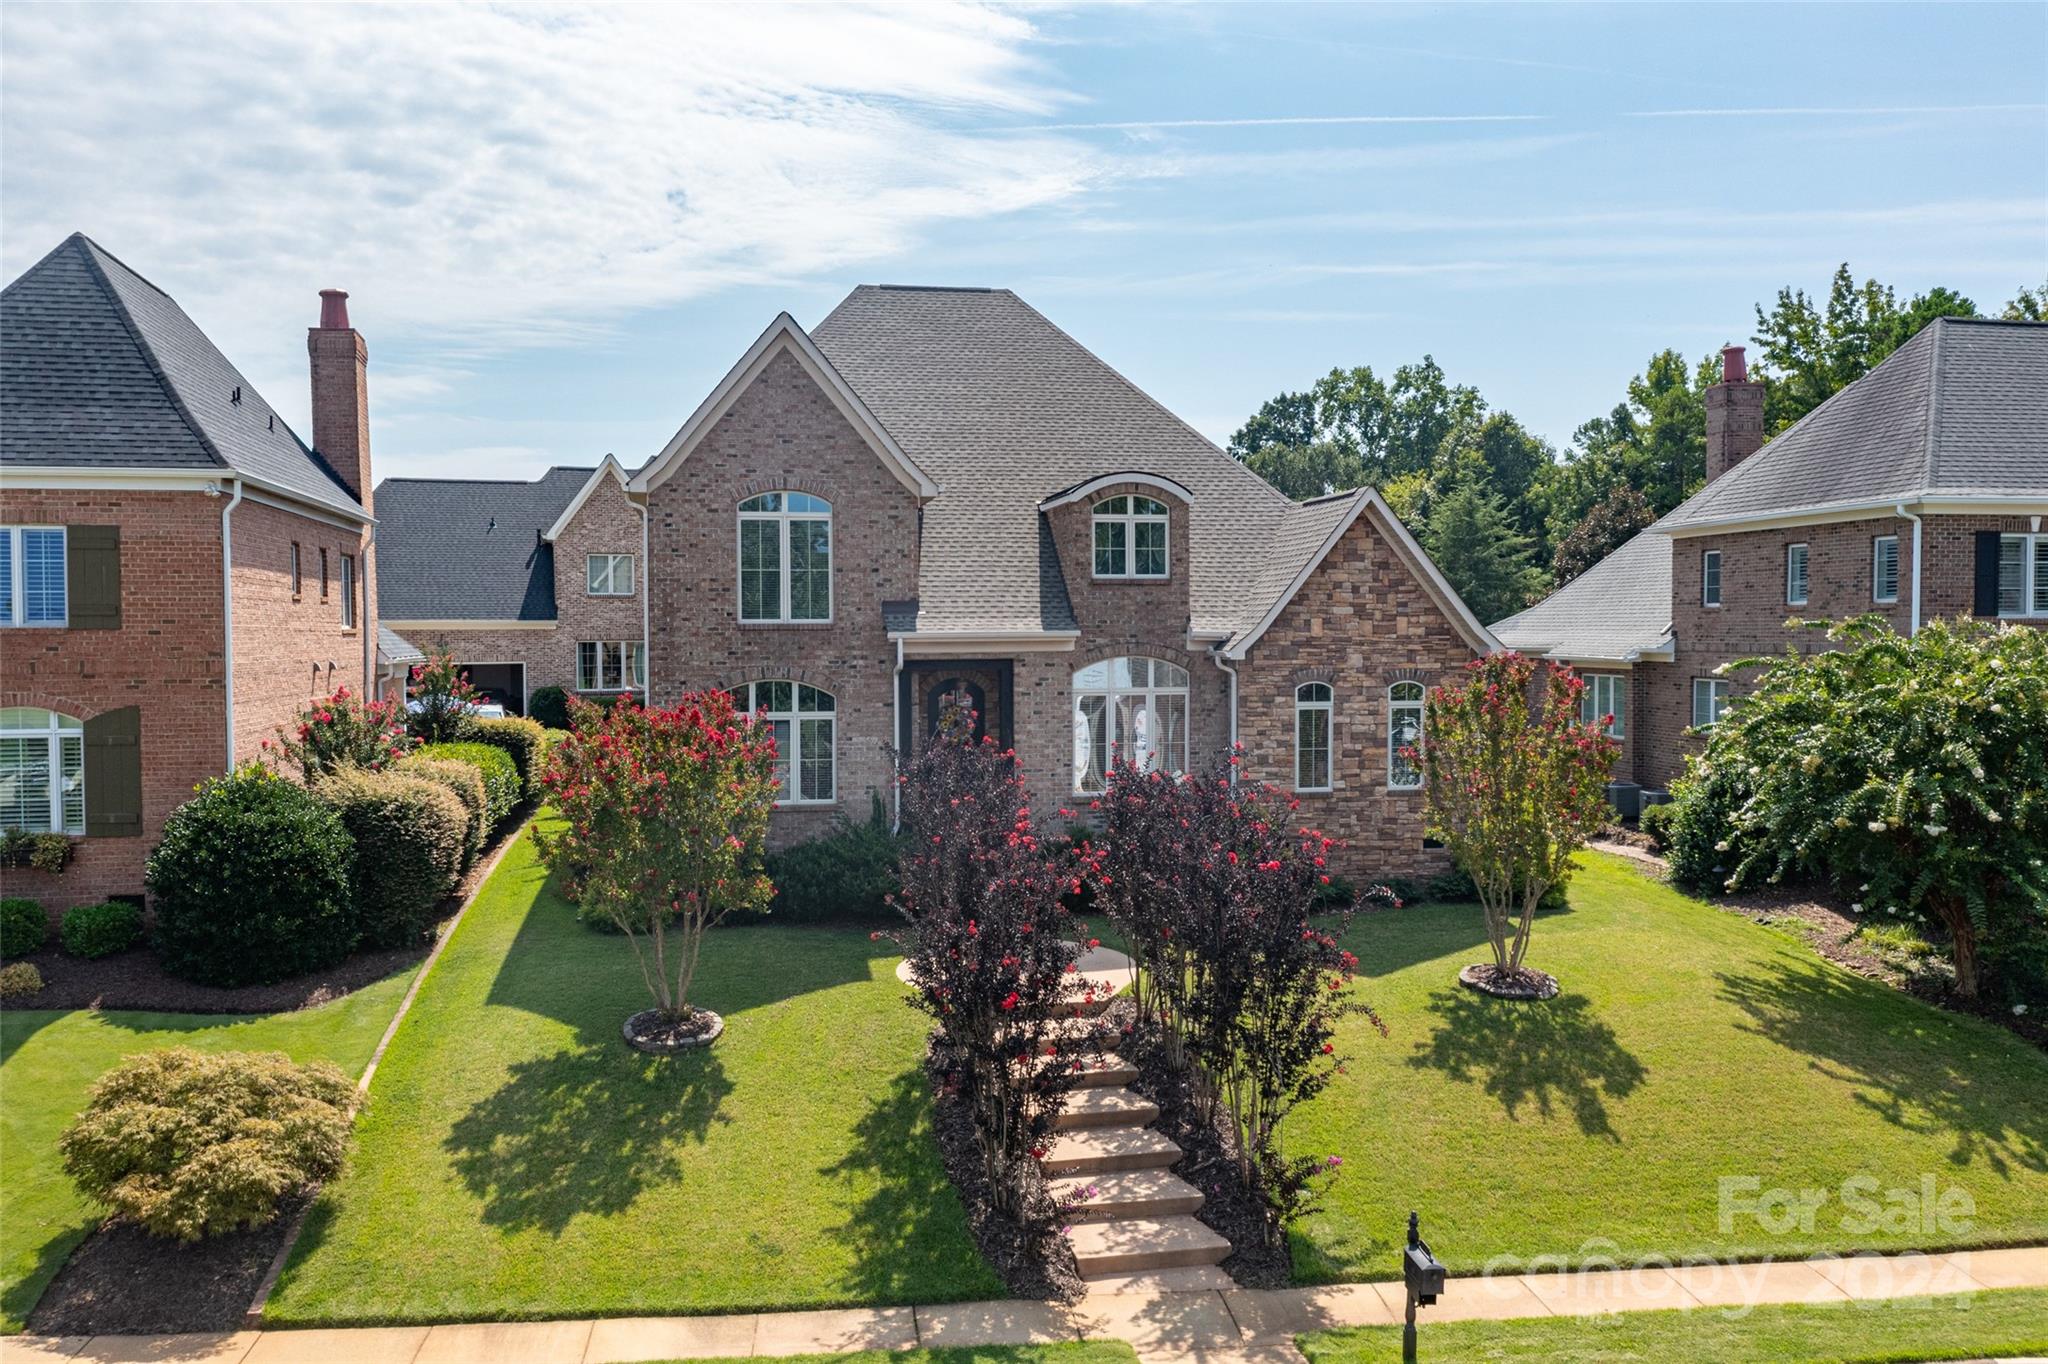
{"points": [[804, 722], [42, 771], [1135, 709], [1312, 709], [1130, 538], [1404, 731], [785, 557]]}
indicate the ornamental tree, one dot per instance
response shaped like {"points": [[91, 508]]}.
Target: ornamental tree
{"points": [[345, 730], [665, 822], [1910, 772], [989, 943], [441, 699], [1515, 786]]}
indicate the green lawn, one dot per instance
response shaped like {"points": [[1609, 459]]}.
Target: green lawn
{"points": [[49, 1059], [1687, 1045], [518, 1161], [1079, 1352], [1970, 1326]]}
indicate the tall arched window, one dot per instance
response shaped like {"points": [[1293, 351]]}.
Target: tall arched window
{"points": [[42, 771], [1404, 731], [1130, 538], [804, 721], [1312, 710], [1135, 709], [785, 557]]}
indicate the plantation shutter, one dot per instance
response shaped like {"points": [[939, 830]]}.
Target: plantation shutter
{"points": [[92, 567], [113, 774], [1987, 573]]}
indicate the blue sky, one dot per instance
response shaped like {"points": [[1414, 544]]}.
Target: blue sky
{"points": [[561, 226]]}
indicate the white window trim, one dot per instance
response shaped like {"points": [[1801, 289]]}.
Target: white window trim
{"points": [[1147, 697], [1806, 566], [784, 517], [1717, 701], [1877, 544], [17, 564], [611, 576], [631, 678], [55, 735], [1394, 707], [794, 717], [1590, 709], [1130, 521], [1713, 556], [2033, 552], [1328, 707]]}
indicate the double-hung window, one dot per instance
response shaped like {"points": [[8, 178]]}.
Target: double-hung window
{"points": [[348, 591], [33, 585], [1884, 568], [1796, 574], [1710, 578], [609, 575], [785, 558], [804, 721], [1709, 701], [1130, 538], [2023, 575], [610, 665], [1605, 702], [1404, 736], [42, 771], [1312, 711], [1132, 710]]}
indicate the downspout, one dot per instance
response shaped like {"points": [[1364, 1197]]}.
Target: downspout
{"points": [[646, 610], [896, 723], [1216, 656], [1914, 628], [363, 617], [227, 602]]}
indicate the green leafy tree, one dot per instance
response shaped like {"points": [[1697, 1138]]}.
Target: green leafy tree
{"points": [[1353, 428], [1654, 441], [1808, 352], [1614, 521], [1474, 541], [2028, 305]]}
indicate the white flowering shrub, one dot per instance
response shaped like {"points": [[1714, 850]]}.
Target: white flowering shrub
{"points": [[1911, 773]]}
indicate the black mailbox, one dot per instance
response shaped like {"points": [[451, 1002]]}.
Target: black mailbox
{"points": [[1424, 1275]]}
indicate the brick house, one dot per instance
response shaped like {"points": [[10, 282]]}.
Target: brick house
{"points": [[179, 573], [1937, 457]]}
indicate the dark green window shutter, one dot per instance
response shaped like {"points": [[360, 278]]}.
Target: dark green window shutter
{"points": [[92, 566], [113, 774], [1987, 572]]}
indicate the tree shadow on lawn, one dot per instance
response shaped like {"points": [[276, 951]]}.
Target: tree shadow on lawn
{"points": [[1391, 940], [1541, 1052], [1868, 1035]]}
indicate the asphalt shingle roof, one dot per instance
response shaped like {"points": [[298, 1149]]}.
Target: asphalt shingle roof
{"points": [[469, 549], [99, 368], [1616, 609], [1960, 409], [393, 647]]}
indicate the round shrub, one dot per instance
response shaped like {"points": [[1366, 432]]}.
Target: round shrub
{"points": [[467, 785], [411, 837], [500, 774], [187, 1144], [101, 930], [251, 882], [23, 927], [1656, 822], [20, 979], [525, 740], [549, 706]]}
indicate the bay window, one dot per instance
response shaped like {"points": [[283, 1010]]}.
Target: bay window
{"points": [[42, 771], [804, 721], [785, 558], [1133, 709]]}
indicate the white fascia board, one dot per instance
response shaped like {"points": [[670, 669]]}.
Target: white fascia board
{"points": [[590, 485], [72, 479], [1095, 485], [965, 643], [401, 626], [1924, 501], [783, 334]]}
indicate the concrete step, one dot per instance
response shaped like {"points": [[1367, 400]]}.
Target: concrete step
{"points": [[1099, 1106], [1138, 1244], [1128, 1193], [1104, 1150], [1108, 1071], [1185, 1279]]}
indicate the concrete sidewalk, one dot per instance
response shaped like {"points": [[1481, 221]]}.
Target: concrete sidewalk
{"points": [[1209, 1327]]}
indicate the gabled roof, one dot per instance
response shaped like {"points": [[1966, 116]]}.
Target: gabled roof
{"points": [[1005, 411], [610, 467], [101, 370], [1960, 412], [470, 549], [1617, 611]]}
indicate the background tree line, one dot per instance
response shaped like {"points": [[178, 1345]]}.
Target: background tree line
{"points": [[1507, 516]]}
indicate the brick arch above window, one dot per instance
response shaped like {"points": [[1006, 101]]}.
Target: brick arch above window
{"points": [[45, 700], [1423, 675], [1081, 658], [784, 483], [1301, 676], [772, 672]]}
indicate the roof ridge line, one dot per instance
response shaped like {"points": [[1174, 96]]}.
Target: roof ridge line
{"points": [[1933, 407], [87, 248]]}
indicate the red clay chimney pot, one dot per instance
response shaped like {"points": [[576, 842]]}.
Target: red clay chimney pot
{"points": [[334, 310], [1734, 369]]}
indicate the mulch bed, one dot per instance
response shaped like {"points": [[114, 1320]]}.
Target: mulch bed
{"points": [[122, 1281], [657, 1034], [1509, 982]]}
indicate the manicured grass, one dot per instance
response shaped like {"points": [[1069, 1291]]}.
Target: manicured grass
{"points": [[48, 1060], [517, 1160], [1080, 1352], [1970, 1326], [1687, 1045]]}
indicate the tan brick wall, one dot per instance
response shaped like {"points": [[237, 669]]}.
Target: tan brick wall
{"points": [[290, 651], [1132, 611]]}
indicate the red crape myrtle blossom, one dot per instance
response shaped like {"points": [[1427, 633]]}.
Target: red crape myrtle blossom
{"points": [[990, 946], [441, 698], [1216, 884], [665, 820], [1514, 789], [345, 730]]}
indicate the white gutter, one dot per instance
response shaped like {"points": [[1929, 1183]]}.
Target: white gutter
{"points": [[896, 722], [1914, 628], [1216, 656], [363, 614], [227, 603], [646, 606]]}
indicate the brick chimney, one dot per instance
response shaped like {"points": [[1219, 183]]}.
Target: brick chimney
{"points": [[341, 395], [1735, 415]]}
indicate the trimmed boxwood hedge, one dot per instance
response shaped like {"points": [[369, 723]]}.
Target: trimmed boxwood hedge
{"points": [[251, 882], [101, 930], [502, 786], [411, 835], [525, 740], [467, 785], [847, 874], [24, 928]]}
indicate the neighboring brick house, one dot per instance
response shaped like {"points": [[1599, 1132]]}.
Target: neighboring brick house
{"points": [[1938, 456], [528, 584], [179, 573]]}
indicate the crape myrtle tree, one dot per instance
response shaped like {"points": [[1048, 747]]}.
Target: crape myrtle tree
{"points": [[665, 823], [1515, 783], [441, 698], [989, 945], [1912, 772], [344, 730], [1212, 880]]}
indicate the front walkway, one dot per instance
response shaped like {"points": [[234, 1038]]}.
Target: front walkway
{"points": [[1207, 1327]]}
